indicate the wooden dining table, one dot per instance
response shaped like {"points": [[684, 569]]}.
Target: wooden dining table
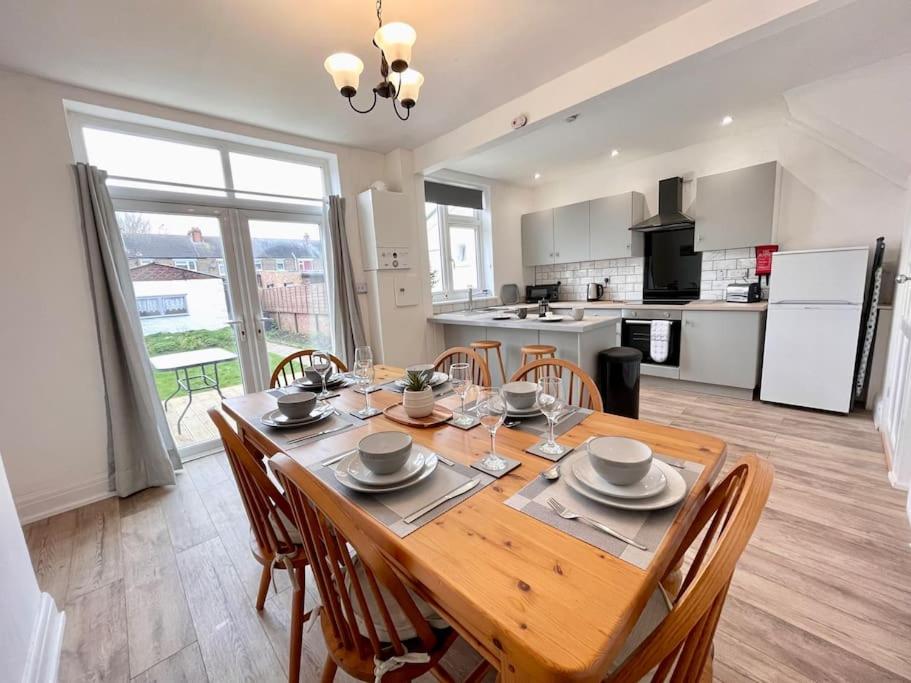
{"points": [[537, 603]]}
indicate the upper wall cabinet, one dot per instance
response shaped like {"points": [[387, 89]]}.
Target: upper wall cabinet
{"points": [[735, 209], [538, 238], [571, 233], [610, 218]]}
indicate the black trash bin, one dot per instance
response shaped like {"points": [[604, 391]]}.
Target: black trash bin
{"points": [[618, 380]]}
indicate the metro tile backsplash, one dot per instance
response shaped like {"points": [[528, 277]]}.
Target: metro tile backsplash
{"points": [[719, 268]]}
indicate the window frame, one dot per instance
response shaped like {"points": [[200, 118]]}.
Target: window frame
{"points": [[445, 223], [160, 300], [283, 269], [188, 261]]}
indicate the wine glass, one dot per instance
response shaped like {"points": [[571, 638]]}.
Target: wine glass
{"points": [[460, 379], [364, 373], [550, 398], [322, 363], [362, 353], [491, 410]]}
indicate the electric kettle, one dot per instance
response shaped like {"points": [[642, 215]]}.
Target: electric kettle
{"points": [[595, 291]]}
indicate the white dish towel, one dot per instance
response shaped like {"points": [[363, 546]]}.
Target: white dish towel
{"points": [[660, 339]]}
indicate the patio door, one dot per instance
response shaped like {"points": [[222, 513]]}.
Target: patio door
{"points": [[185, 264], [287, 283]]}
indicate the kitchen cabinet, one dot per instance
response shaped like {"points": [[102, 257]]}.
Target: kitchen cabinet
{"points": [[571, 233], [610, 220], [735, 209], [538, 238], [722, 347]]}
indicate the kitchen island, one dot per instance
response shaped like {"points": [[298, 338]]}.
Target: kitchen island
{"points": [[576, 341]]}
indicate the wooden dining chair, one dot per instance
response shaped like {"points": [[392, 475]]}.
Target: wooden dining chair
{"points": [[292, 367], [374, 627], [480, 372], [581, 389], [276, 541], [676, 642]]}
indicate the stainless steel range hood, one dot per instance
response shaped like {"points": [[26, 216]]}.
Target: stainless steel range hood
{"points": [[670, 214]]}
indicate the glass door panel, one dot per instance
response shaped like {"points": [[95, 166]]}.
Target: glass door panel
{"points": [[180, 273], [290, 286]]}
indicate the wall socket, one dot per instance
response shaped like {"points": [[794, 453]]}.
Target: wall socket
{"points": [[360, 287]]}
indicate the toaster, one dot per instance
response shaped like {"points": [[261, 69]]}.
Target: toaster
{"points": [[743, 293]]}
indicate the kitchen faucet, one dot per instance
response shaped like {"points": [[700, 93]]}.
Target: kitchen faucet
{"points": [[470, 298]]}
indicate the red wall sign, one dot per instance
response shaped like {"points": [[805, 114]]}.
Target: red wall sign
{"points": [[764, 258]]}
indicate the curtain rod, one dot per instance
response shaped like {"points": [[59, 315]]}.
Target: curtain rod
{"points": [[216, 189]]}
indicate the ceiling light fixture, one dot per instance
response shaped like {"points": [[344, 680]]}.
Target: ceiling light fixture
{"points": [[614, 152], [400, 82], [571, 118], [537, 176], [727, 120]]}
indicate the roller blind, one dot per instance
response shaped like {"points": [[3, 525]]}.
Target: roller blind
{"points": [[453, 195]]}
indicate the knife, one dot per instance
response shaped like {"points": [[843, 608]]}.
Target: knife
{"points": [[313, 436], [464, 488]]}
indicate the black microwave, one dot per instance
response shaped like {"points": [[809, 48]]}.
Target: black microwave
{"points": [[534, 293]]}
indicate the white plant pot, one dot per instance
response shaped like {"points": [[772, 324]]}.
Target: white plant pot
{"points": [[418, 403]]}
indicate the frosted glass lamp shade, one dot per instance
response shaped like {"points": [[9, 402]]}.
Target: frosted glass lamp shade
{"points": [[345, 70], [396, 40], [409, 87]]}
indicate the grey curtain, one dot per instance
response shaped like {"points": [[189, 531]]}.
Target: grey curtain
{"points": [[141, 451], [349, 325]]}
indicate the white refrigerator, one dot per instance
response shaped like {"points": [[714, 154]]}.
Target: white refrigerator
{"points": [[813, 327]]}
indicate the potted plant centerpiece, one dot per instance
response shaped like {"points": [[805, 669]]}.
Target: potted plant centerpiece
{"points": [[418, 398]]}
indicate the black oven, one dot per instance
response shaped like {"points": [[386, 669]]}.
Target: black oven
{"points": [[636, 332]]}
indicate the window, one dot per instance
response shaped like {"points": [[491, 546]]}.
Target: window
{"points": [[146, 261], [159, 306], [186, 264], [304, 265], [261, 174], [280, 265], [258, 264], [456, 251], [222, 269]]}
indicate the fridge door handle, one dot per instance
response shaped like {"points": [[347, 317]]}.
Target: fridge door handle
{"points": [[840, 302]]}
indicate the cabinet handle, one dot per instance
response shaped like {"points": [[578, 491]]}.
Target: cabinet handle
{"points": [[698, 238], [558, 253], [667, 315]]}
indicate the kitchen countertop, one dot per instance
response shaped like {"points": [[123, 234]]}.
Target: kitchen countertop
{"points": [[485, 319], [699, 305]]}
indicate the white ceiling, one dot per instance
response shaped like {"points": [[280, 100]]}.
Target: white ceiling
{"points": [[684, 103], [262, 62]]}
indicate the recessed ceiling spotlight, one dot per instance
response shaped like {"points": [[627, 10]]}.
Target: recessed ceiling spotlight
{"points": [[537, 176], [614, 152], [571, 118], [727, 120]]}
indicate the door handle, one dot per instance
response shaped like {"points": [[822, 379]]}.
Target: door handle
{"points": [[238, 324], [901, 278]]}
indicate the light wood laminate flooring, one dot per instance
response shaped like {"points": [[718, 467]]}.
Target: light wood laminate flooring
{"points": [[160, 586]]}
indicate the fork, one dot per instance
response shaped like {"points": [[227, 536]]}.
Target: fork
{"points": [[558, 507]]}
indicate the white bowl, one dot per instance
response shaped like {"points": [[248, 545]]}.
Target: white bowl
{"points": [[520, 395], [620, 460], [298, 405], [425, 369], [384, 452]]}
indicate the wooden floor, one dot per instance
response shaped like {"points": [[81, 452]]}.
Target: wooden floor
{"points": [[160, 586]]}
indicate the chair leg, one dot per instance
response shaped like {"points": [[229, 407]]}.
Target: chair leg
{"points": [[297, 633], [502, 367], [265, 579], [329, 669], [479, 672]]}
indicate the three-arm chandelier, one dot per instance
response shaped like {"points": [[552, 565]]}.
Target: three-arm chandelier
{"points": [[400, 82]]}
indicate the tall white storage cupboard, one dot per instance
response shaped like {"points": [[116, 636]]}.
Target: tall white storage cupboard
{"points": [[813, 327]]}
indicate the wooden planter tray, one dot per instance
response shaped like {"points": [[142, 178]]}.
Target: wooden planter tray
{"points": [[438, 416]]}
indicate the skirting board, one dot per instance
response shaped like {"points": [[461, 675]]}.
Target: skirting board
{"points": [[41, 504], [43, 660]]}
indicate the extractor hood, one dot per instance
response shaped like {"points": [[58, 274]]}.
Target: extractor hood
{"points": [[670, 214]]}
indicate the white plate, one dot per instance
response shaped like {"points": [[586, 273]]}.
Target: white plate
{"points": [[551, 318], [341, 473], [333, 381], [274, 418], [651, 485], [359, 471], [672, 494], [437, 380]]}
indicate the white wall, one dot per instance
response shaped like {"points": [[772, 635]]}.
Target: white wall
{"points": [[826, 199], [49, 338], [30, 625], [206, 307]]}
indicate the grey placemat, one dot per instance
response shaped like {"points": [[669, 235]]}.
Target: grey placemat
{"points": [[390, 509], [646, 527], [510, 466], [282, 436], [538, 425]]}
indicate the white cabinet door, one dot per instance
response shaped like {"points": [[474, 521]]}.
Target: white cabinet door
{"points": [[610, 221], [721, 347], [835, 276], [735, 209], [571, 233], [538, 238]]}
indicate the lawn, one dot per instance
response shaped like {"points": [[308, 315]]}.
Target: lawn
{"points": [[171, 342]]}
